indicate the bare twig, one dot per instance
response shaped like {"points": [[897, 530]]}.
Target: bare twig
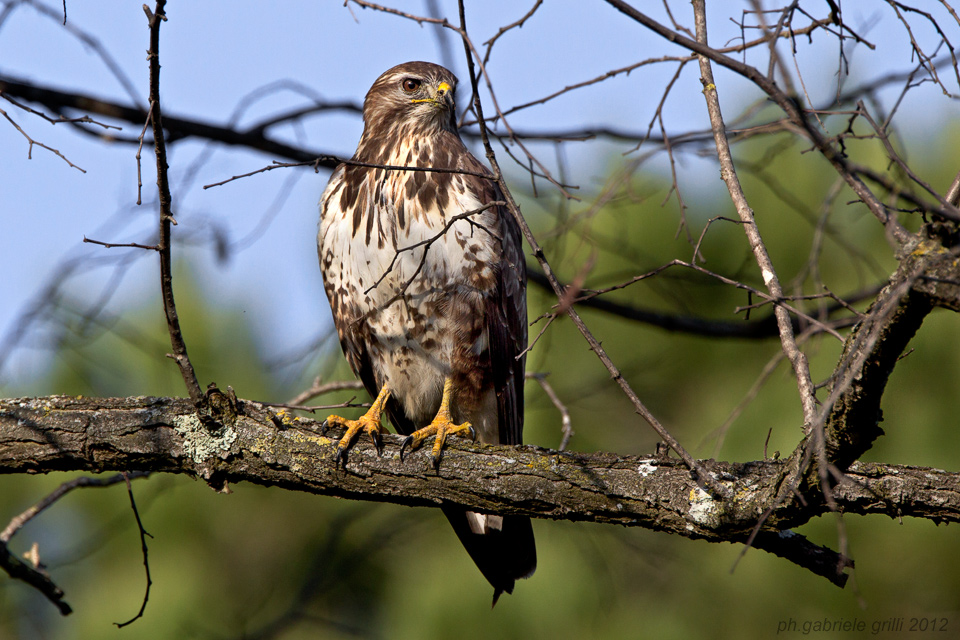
{"points": [[61, 119], [164, 242], [319, 388], [729, 174], [31, 142], [114, 245], [17, 522], [328, 160], [143, 549]]}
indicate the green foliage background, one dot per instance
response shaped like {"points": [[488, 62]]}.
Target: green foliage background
{"points": [[267, 563]]}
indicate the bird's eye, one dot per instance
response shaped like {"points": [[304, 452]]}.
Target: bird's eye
{"points": [[411, 84]]}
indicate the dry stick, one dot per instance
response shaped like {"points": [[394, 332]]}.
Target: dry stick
{"points": [[771, 38], [702, 474], [59, 120], [313, 408], [335, 161], [428, 243], [143, 132], [502, 30], [166, 215], [729, 174], [143, 536]]}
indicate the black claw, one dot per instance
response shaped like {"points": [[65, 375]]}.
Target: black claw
{"points": [[323, 428], [403, 445], [340, 456], [435, 461], [378, 443], [473, 433]]}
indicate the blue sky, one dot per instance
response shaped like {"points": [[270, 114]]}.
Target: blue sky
{"points": [[214, 54]]}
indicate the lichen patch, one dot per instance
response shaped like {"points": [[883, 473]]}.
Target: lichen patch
{"points": [[199, 443]]}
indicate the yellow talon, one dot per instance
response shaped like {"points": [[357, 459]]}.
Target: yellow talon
{"points": [[368, 423], [441, 426]]}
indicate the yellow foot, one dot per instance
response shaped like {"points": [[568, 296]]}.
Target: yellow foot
{"points": [[442, 426], [368, 423]]}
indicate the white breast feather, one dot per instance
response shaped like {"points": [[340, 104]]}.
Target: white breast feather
{"points": [[415, 376]]}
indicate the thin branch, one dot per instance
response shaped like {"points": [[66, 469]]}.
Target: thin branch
{"points": [[729, 174], [114, 245], [327, 160], [949, 210], [62, 119], [164, 242], [143, 549], [426, 244], [319, 388], [31, 143], [19, 521], [177, 128]]}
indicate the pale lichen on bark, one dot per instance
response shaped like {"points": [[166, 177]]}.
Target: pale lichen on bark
{"points": [[199, 442]]}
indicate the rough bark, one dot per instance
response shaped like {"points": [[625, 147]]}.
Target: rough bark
{"points": [[264, 446]]}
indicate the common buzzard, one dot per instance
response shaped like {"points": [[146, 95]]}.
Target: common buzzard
{"points": [[427, 283]]}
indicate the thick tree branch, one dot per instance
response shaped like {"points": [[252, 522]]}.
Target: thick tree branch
{"points": [[253, 443], [928, 277]]}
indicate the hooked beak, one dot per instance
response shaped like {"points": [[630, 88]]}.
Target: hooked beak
{"points": [[444, 93], [442, 96]]}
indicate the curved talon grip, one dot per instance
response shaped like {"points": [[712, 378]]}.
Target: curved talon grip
{"points": [[403, 446]]}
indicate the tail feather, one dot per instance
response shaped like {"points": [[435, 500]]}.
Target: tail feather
{"points": [[502, 547], [503, 554]]}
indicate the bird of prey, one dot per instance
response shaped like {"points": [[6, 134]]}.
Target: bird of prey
{"points": [[425, 275]]}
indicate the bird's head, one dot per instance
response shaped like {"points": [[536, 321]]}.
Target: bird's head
{"points": [[414, 94]]}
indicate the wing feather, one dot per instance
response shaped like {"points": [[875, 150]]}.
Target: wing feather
{"points": [[506, 310]]}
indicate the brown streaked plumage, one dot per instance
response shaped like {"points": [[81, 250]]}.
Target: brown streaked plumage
{"points": [[430, 311]]}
